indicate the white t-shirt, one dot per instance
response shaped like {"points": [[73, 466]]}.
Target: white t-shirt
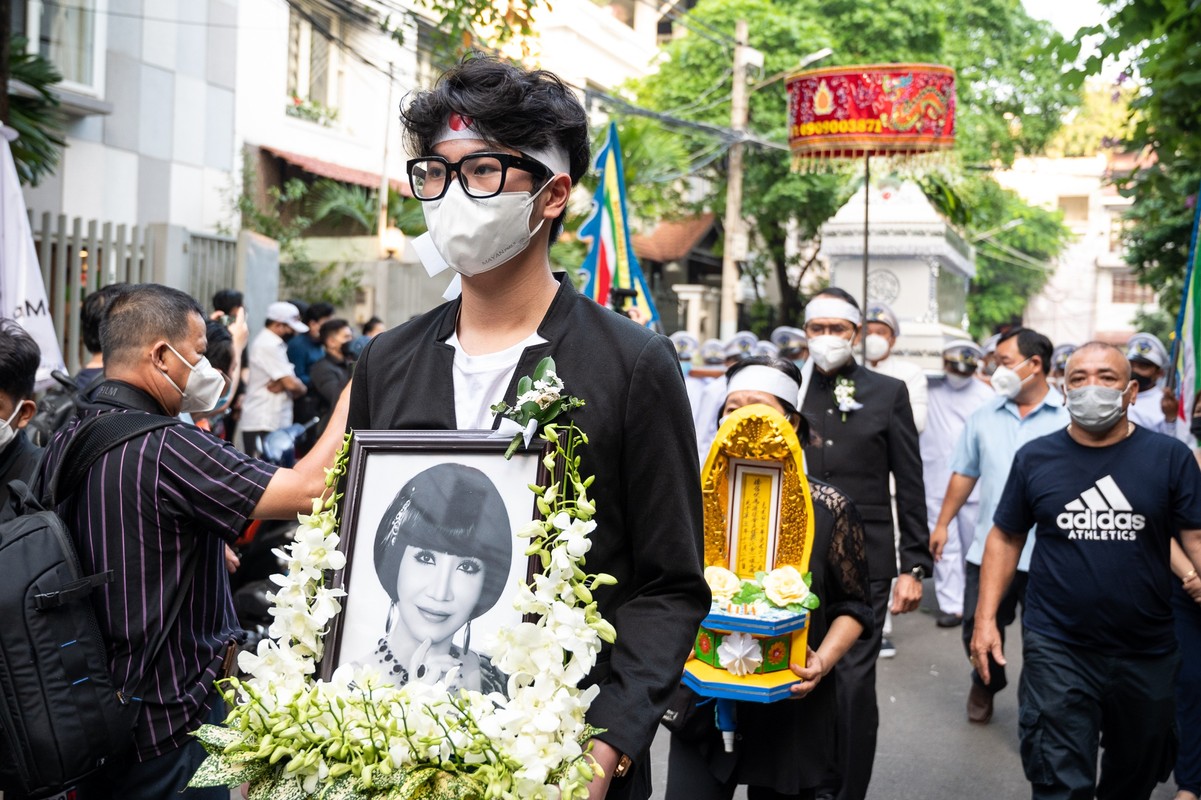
{"points": [[263, 410], [480, 381]]}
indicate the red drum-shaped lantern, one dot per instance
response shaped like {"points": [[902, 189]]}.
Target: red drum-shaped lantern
{"points": [[870, 110]]}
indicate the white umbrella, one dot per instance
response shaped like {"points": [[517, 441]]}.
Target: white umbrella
{"points": [[22, 291]]}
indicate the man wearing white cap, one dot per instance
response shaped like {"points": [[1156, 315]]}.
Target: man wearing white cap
{"points": [[496, 151], [882, 330], [863, 432], [1155, 407], [952, 400], [793, 344], [272, 384]]}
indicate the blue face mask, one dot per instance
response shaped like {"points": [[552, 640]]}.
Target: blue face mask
{"points": [[685, 367], [800, 363]]}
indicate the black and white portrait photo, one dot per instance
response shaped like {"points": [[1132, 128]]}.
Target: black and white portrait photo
{"points": [[433, 564]]}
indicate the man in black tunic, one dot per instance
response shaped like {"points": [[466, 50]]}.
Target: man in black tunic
{"points": [[863, 432], [498, 150]]}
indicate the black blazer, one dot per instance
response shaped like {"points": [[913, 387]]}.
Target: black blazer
{"points": [[857, 456], [642, 450]]}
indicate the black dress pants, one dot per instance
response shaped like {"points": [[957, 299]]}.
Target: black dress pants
{"points": [[858, 714], [1007, 612]]}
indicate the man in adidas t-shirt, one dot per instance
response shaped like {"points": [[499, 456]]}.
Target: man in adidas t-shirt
{"points": [[1099, 651]]}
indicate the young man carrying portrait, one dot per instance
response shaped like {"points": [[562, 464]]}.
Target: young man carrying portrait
{"points": [[497, 151]]}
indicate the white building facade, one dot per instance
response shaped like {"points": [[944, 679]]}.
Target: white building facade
{"points": [[1092, 294]]}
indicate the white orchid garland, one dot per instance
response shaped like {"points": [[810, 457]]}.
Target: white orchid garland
{"points": [[356, 736]]}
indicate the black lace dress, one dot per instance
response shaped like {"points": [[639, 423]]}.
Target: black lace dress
{"points": [[786, 746]]}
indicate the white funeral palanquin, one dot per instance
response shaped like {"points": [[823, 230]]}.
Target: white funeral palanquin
{"points": [[917, 265]]}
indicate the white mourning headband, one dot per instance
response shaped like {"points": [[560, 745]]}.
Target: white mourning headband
{"points": [[826, 307], [758, 378], [458, 127]]}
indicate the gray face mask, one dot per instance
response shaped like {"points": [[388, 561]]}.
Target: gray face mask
{"points": [[1095, 409]]}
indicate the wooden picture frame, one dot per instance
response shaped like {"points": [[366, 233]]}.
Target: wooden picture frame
{"points": [[453, 503]]}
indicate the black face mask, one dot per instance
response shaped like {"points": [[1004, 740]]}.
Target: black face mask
{"points": [[287, 337], [1145, 382], [1194, 427]]}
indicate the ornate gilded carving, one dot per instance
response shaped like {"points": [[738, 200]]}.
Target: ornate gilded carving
{"points": [[758, 433]]}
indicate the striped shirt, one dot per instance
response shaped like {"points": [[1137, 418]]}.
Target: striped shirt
{"points": [[140, 510]]}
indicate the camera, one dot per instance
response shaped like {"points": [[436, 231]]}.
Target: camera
{"points": [[618, 298]]}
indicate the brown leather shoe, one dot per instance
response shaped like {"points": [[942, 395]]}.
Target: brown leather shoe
{"points": [[979, 705]]}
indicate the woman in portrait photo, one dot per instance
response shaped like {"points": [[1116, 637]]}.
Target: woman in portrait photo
{"points": [[442, 553]]}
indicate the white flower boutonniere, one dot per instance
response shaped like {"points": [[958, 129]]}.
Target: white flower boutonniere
{"points": [[844, 393], [540, 399]]}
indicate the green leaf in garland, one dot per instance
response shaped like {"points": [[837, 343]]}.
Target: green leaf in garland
{"points": [[341, 788], [215, 738], [811, 601], [524, 385], [276, 786], [749, 593], [807, 578], [218, 770], [544, 366]]}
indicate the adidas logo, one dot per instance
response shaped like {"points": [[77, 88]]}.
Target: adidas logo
{"points": [[1101, 513]]}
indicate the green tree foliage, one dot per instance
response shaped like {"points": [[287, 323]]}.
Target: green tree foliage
{"points": [[358, 207], [1012, 81], [1161, 40], [1011, 95], [1013, 261], [281, 218], [35, 116], [1102, 121], [695, 83]]}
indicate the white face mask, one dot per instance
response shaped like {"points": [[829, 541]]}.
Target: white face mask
{"points": [[829, 352], [877, 347], [203, 388], [1007, 383], [957, 381], [1095, 408], [478, 235], [7, 431]]}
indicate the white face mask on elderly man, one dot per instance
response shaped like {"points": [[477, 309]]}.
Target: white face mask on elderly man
{"points": [[877, 347], [829, 352], [202, 390], [475, 235]]}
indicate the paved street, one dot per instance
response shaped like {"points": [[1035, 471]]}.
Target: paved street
{"points": [[927, 749]]}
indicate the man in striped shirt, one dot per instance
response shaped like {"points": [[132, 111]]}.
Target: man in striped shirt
{"points": [[148, 506]]}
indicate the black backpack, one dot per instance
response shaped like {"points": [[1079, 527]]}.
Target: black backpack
{"points": [[62, 717], [57, 408]]}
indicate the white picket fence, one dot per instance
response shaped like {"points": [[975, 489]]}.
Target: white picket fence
{"points": [[79, 256]]}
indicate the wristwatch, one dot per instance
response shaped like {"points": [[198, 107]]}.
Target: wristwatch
{"points": [[918, 573], [623, 766]]}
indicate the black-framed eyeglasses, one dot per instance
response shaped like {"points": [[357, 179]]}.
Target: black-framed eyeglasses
{"points": [[480, 174]]}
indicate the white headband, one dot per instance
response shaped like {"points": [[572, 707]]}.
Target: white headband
{"points": [[758, 378], [826, 307], [554, 158]]}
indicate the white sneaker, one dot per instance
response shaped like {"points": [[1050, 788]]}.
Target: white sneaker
{"points": [[887, 648]]}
